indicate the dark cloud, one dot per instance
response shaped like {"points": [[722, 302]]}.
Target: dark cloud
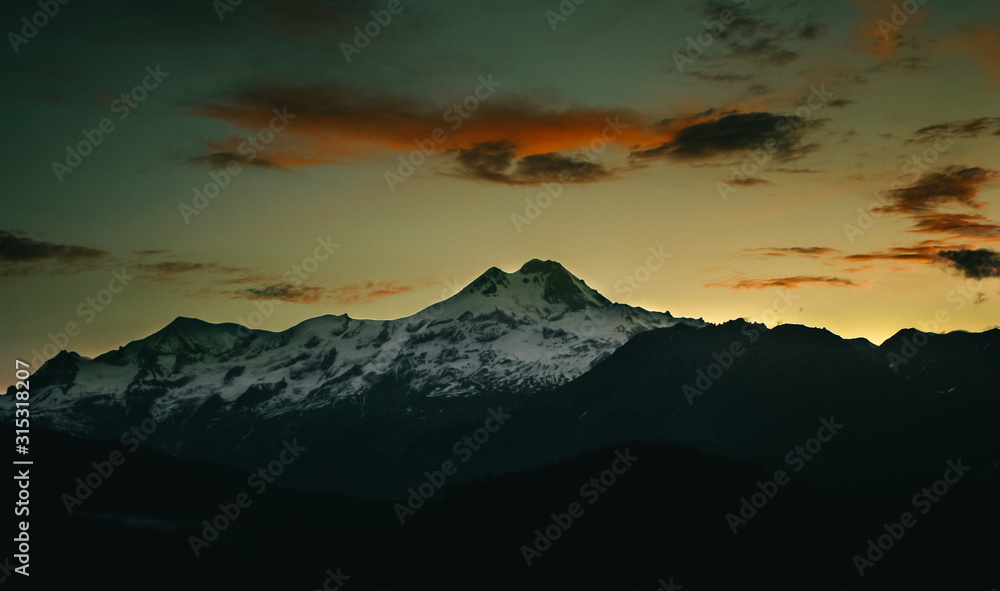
{"points": [[840, 103], [981, 263], [541, 168], [967, 128], [748, 181], [812, 31], [284, 292], [351, 294], [19, 249], [497, 161], [955, 185], [737, 133], [21, 256], [168, 268], [219, 160], [488, 161]]}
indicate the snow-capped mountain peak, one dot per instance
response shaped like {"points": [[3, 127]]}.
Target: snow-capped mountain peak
{"points": [[538, 289], [519, 333]]}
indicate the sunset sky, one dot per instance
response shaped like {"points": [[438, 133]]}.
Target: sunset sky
{"points": [[841, 156]]}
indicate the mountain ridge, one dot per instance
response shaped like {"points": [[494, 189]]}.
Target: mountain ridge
{"points": [[381, 399], [525, 332]]}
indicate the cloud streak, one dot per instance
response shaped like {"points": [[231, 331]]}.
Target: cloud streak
{"points": [[924, 252], [22, 256], [368, 291], [14, 248], [958, 225], [968, 128], [786, 282], [749, 181], [284, 292], [807, 251], [954, 185]]}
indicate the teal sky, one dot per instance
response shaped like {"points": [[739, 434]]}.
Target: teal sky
{"points": [[882, 95]]}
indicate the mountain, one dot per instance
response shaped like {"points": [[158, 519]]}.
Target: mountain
{"points": [[505, 334], [521, 332], [379, 403]]}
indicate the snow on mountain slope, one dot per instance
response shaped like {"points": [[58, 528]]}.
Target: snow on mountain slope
{"points": [[524, 332]]}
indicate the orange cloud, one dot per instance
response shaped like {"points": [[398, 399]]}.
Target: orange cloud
{"points": [[881, 25], [332, 122], [366, 292], [786, 282], [958, 224], [329, 123], [982, 43], [928, 199], [923, 252]]}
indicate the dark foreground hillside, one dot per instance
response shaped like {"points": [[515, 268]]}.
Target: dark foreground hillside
{"points": [[663, 518]]}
